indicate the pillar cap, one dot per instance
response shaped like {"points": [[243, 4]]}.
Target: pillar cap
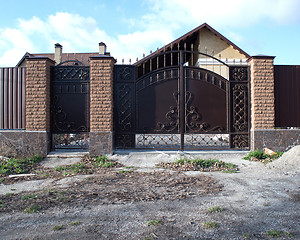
{"points": [[260, 56]]}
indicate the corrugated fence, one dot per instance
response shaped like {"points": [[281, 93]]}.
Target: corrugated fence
{"points": [[287, 95], [12, 98]]}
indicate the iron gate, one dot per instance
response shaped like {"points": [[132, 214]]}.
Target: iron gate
{"points": [[70, 106], [170, 105]]}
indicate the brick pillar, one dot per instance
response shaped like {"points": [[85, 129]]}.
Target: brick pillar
{"points": [[262, 99], [101, 104], [38, 104]]}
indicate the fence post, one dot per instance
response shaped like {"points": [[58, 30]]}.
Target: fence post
{"points": [[101, 104], [262, 99]]}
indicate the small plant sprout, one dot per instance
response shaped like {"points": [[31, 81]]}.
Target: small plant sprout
{"points": [[75, 223], [59, 227], [274, 233], [210, 224], [155, 222], [215, 209]]}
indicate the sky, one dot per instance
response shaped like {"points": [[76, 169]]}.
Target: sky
{"points": [[130, 28]]}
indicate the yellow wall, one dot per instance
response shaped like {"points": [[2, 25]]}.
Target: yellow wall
{"points": [[208, 40]]}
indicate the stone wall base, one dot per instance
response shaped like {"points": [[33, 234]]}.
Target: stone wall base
{"points": [[101, 143], [21, 143], [275, 139]]}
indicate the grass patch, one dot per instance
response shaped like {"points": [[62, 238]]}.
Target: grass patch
{"points": [[59, 227], [215, 209], [155, 222], [198, 164], [25, 197], [75, 223], [32, 209], [103, 162], [210, 225], [129, 167], [73, 169], [275, 233], [18, 165]]}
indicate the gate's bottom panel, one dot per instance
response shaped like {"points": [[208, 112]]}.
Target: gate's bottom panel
{"points": [[67, 140], [191, 141]]}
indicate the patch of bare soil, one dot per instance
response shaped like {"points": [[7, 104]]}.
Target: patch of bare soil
{"points": [[111, 187]]}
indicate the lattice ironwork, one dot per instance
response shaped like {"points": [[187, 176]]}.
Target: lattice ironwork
{"points": [[71, 140], [206, 141], [239, 74], [157, 141], [240, 141], [240, 107], [125, 121], [71, 73]]}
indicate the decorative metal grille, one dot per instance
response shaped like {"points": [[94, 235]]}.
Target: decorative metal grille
{"points": [[61, 141], [240, 141], [158, 141], [240, 110], [206, 141]]}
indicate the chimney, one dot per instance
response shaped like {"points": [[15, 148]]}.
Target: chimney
{"points": [[58, 53], [102, 48]]}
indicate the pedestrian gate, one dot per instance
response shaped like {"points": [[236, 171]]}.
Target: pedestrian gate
{"points": [[70, 105]]}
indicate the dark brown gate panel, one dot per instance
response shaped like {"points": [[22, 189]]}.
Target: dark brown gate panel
{"points": [[124, 106], [287, 97], [70, 104]]}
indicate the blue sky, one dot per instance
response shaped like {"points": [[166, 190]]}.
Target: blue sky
{"points": [[131, 28]]}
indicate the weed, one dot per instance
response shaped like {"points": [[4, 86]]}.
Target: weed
{"points": [[230, 171], [25, 197], [274, 233], [18, 165], [1, 204], [33, 209], [2, 179], [75, 223], [13, 189], [59, 227], [155, 222], [215, 209], [148, 238], [210, 225], [103, 162]]}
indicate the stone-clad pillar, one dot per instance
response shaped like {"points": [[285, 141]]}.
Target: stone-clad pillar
{"points": [[38, 104], [262, 99], [101, 104]]}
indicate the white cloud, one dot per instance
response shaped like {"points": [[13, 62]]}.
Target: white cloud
{"points": [[157, 27]]}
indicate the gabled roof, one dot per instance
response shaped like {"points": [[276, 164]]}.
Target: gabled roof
{"points": [[189, 35]]}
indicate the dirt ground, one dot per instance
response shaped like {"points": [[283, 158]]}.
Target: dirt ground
{"points": [[256, 203]]}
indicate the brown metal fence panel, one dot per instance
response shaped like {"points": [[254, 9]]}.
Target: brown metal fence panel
{"points": [[12, 98], [287, 95]]}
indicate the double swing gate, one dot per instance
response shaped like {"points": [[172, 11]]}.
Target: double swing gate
{"points": [[183, 100]]}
